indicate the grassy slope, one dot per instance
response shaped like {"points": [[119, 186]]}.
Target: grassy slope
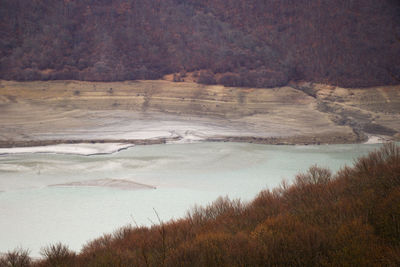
{"points": [[348, 219]]}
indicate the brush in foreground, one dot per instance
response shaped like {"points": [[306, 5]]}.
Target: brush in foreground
{"points": [[348, 219]]}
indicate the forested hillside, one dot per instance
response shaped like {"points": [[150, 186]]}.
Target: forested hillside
{"points": [[257, 43]]}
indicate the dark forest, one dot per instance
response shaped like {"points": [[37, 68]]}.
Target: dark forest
{"points": [[255, 43]]}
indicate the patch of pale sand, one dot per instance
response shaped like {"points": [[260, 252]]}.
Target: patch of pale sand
{"points": [[373, 139], [119, 125], [110, 183], [85, 149], [13, 168]]}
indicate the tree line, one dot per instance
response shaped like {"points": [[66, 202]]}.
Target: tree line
{"points": [[255, 43]]}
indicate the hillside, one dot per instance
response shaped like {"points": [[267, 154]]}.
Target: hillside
{"points": [[351, 218], [231, 42], [51, 112]]}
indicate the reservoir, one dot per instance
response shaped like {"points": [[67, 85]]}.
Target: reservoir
{"points": [[54, 197]]}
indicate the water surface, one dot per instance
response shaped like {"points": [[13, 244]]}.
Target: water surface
{"points": [[41, 201]]}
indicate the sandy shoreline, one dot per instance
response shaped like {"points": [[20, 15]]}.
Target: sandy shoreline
{"points": [[33, 146], [86, 149], [45, 143], [99, 147]]}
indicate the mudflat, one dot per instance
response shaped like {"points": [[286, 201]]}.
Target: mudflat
{"points": [[146, 112]]}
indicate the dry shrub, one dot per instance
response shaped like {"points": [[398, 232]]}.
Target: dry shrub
{"points": [[58, 255], [16, 258], [223, 205], [386, 218], [206, 77], [314, 175], [285, 240], [355, 245]]}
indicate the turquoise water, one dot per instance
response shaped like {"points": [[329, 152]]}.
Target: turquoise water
{"points": [[35, 214]]}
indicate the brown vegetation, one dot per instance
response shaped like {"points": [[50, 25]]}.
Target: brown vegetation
{"points": [[255, 43], [348, 219]]}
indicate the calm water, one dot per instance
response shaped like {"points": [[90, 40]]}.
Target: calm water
{"points": [[34, 214]]}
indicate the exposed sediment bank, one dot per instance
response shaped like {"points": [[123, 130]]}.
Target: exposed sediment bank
{"points": [[86, 149], [154, 112], [107, 183], [41, 143]]}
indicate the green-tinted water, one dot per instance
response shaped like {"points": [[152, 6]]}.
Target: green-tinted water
{"points": [[35, 214]]}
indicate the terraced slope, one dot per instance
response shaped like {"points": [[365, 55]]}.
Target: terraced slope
{"points": [[158, 111]]}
